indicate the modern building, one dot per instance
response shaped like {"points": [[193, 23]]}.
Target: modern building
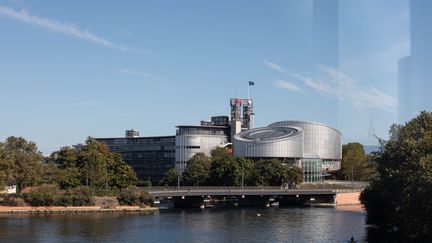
{"points": [[150, 157], [200, 139], [241, 115], [314, 147]]}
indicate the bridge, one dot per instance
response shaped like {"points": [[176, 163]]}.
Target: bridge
{"points": [[185, 196]]}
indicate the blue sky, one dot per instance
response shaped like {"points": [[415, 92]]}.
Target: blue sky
{"points": [[74, 69]]}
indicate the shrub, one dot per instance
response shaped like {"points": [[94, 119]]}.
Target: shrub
{"points": [[44, 195], [105, 202], [134, 196], [78, 196], [12, 200]]}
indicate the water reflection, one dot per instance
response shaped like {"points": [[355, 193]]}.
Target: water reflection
{"points": [[209, 225]]}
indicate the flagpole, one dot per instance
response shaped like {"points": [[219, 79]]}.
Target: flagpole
{"points": [[248, 89]]}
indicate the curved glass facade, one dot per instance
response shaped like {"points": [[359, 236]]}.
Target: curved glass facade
{"points": [[318, 147]]}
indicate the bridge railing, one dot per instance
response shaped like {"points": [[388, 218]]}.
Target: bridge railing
{"points": [[187, 189]]}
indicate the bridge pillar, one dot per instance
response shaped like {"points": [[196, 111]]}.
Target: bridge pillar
{"points": [[188, 201], [292, 200], [253, 201]]}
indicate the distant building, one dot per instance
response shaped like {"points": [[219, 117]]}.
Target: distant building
{"points": [[150, 157], [132, 133], [314, 147], [241, 115], [190, 140]]}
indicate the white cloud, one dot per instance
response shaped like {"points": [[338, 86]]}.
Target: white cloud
{"points": [[336, 84], [274, 66], [61, 27], [286, 85], [135, 73]]}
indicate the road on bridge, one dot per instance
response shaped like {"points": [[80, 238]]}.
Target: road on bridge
{"points": [[160, 192]]}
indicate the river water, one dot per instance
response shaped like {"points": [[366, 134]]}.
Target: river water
{"points": [[305, 224]]}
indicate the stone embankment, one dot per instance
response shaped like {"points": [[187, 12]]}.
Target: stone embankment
{"points": [[72, 209], [351, 198]]}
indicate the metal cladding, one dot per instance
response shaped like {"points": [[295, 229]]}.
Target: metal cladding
{"points": [[290, 139]]}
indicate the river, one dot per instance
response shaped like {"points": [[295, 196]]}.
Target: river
{"points": [[302, 224]]}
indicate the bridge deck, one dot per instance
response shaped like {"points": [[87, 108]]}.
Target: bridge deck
{"points": [[238, 191]]}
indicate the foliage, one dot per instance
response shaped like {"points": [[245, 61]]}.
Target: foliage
{"points": [[295, 176], [43, 195], [355, 163], [78, 196], [25, 160], [399, 197], [13, 200], [198, 170], [69, 174], [219, 153], [134, 196], [229, 171], [6, 168], [171, 178], [270, 173], [94, 166]]}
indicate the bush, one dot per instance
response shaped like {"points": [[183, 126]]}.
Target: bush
{"points": [[78, 196], [12, 200], [105, 192], [44, 195], [134, 196], [105, 202]]}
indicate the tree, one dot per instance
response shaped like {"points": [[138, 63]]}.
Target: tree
{"points": [[198, 170], [355, 163], [120, 174], [26, 160], [171, 178], [69, 175], [219, 153], [398, 198], [95, 165], [6, 168], [230, 171], [270, 173], [295, 175]]}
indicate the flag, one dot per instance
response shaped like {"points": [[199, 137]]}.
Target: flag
{"points": [[251, 83]]}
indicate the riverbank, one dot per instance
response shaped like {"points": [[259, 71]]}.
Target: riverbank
{"points": [[349, 198], [73, 209]]}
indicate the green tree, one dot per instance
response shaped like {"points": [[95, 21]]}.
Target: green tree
{"points": [[93, 164], [51, 173], [69, 175], [198, 170], [121, 175], [26, 160], [219, 153], [230, 171], [355, 163], [6, 168], [294, 176], [171, 178], [270, 173], [398, 198]]}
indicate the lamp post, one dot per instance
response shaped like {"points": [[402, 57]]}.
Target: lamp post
{"points": [[178, 181]]}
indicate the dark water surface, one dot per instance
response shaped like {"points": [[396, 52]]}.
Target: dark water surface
{"points": [[208, 225]]}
